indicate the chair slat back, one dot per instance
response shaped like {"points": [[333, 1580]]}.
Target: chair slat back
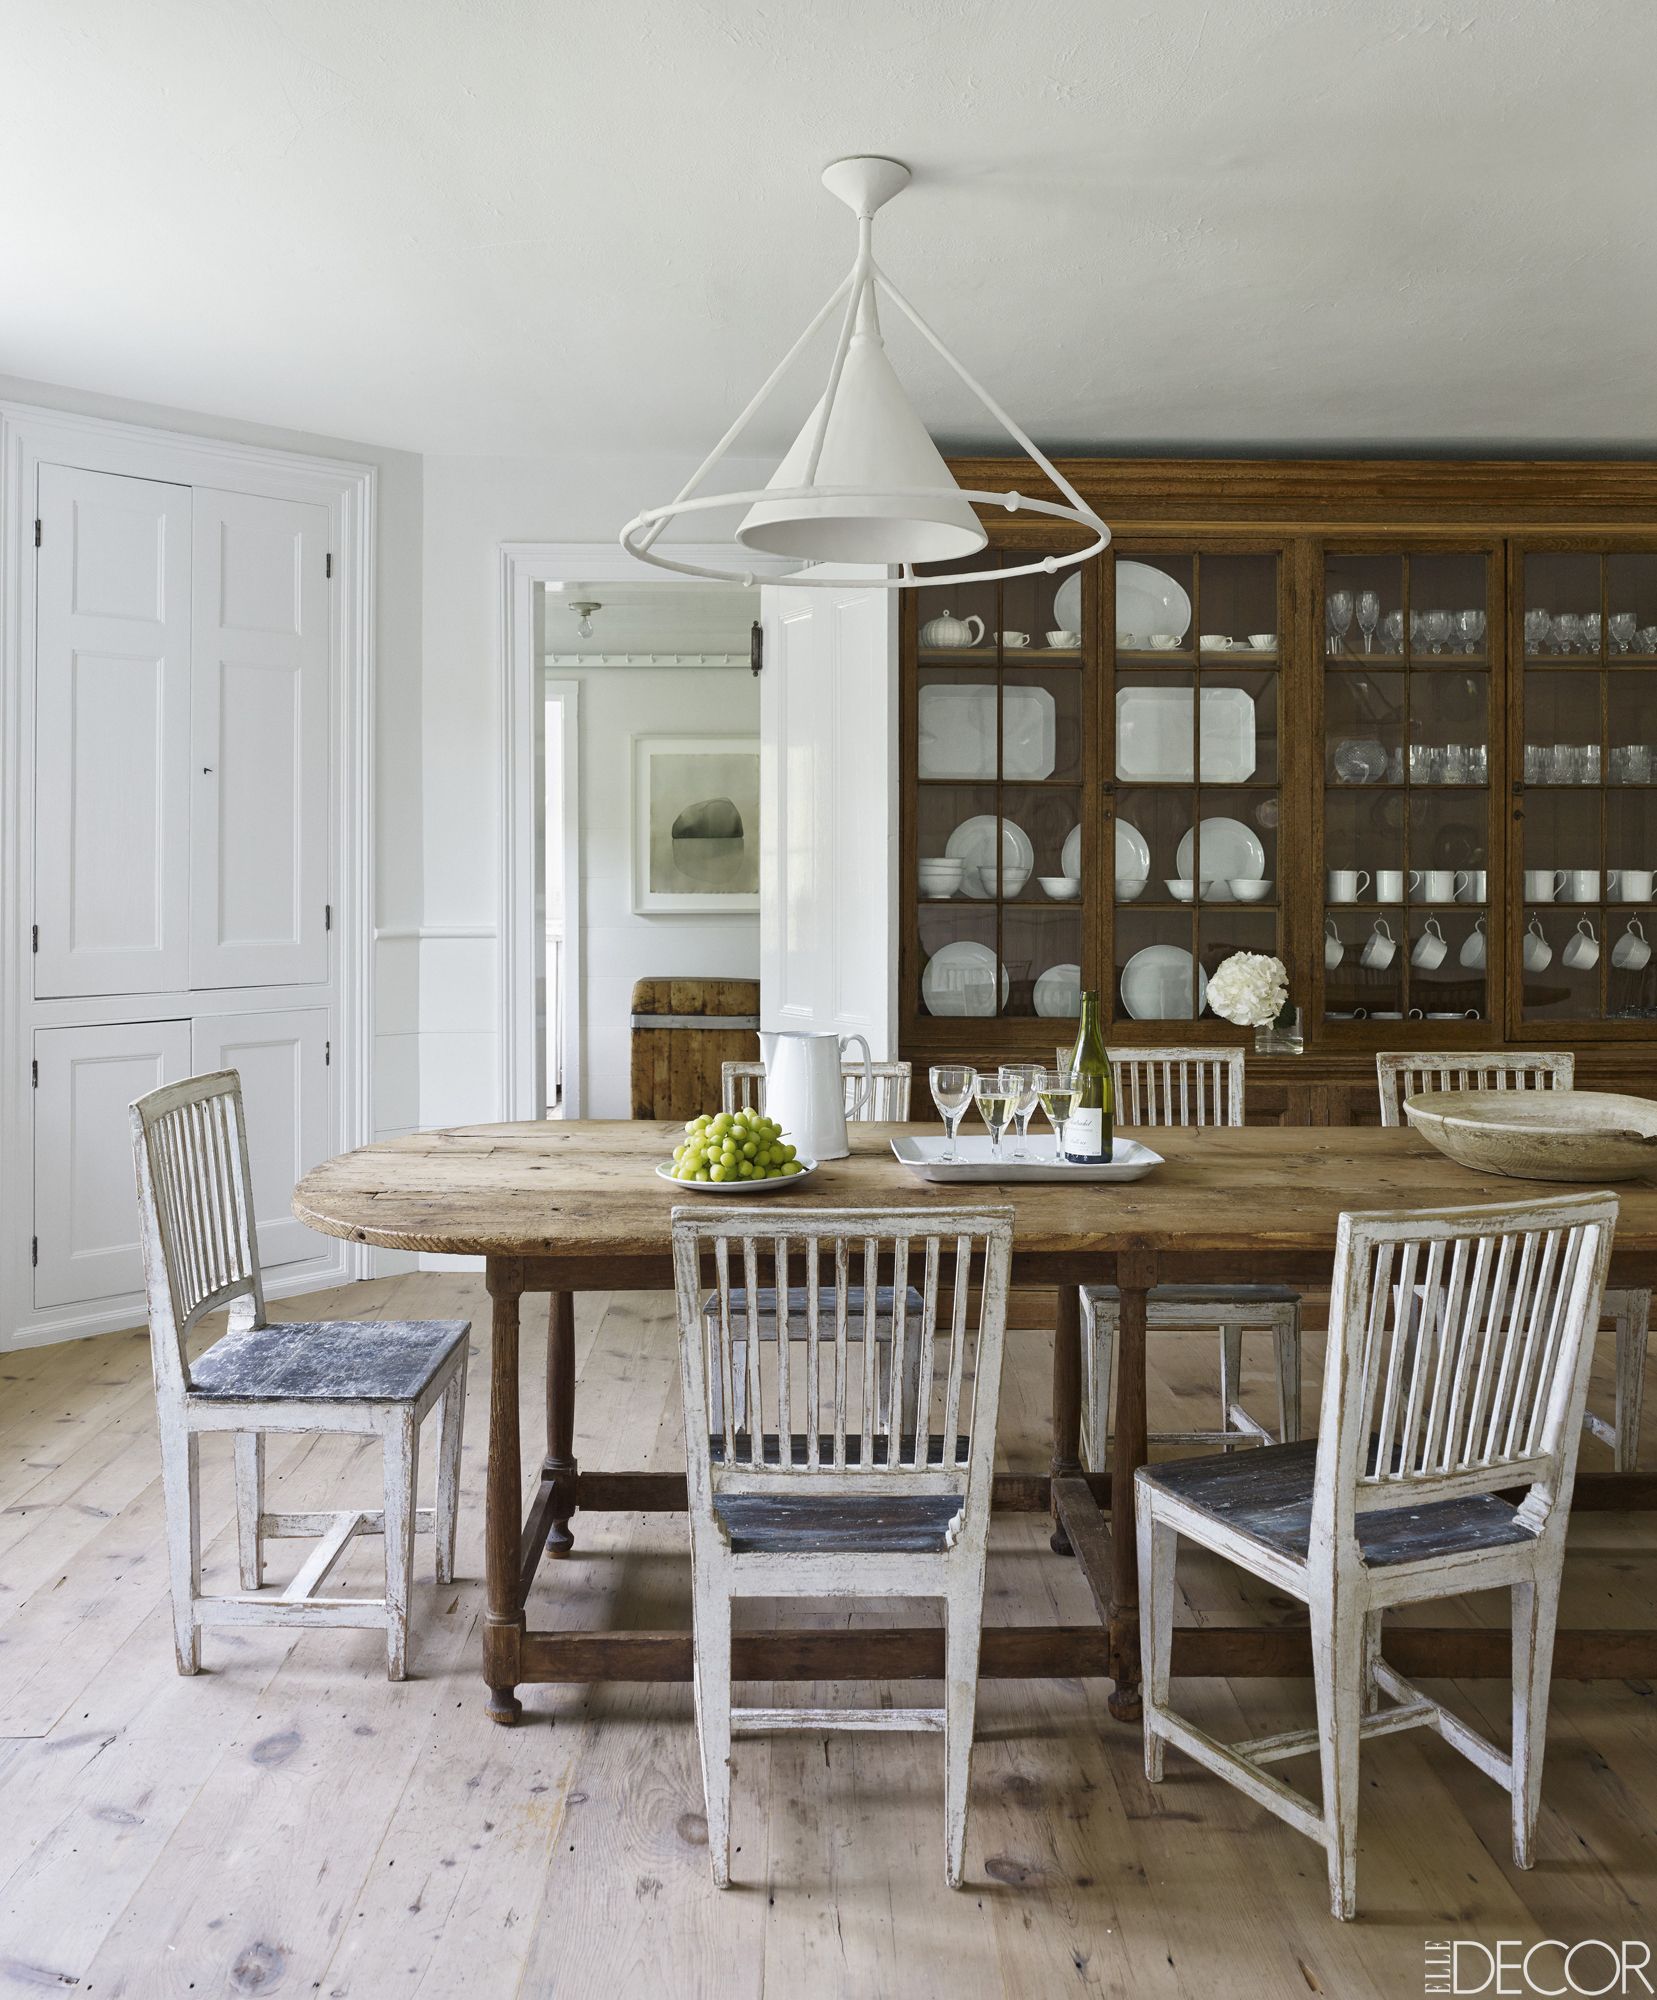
{"points": [[823, 1411], [196, 1207], [1459, 1347], [1177, 1086], [1403, 1072], [742, 1088]]}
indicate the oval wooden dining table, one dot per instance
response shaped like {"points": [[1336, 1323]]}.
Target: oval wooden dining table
{"points": [[571, 1206]]}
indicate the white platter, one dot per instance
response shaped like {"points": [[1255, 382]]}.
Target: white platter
{"points": [[737, 1188], [1230, 851], [1129, 1161], [1156, 984], [1153, 734], [1058, 993], [1070, 860], [1147, 600], [957, 731], [973, 842], [960, 978]]}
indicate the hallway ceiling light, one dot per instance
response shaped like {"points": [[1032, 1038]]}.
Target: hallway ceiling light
{"points": [[584, 607], [863, 483]]}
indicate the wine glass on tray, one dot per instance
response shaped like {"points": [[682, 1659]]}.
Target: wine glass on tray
{"points": [[952, 1088]]}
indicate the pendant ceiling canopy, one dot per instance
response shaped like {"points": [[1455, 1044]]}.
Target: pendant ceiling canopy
{"points": [[863, 483]]}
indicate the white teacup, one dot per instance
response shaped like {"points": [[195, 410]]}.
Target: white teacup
{"points": [[1380, 947], [1129, 888], [1542, 884], [1263, 642], [1015, 639], [1582, 950], [1389, 885], [1067, 641], [1631, 952], [1632, 885], [1214, 642], [1431, 948], [1164, 642], [1538, 952], [1472, 888], [1581, 885], [1472, 948], [1346, 885], [1433, 885], [1333, 949]]}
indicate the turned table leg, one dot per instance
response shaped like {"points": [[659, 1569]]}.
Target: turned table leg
{"points": [[1135, 1274], [503, 1622], [1067, 1402], [559, 1464]]}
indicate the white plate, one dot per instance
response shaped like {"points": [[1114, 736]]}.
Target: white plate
{"points": [[1156, 984], [959, 978], [1129, 1161], [1058, 993], [1070, 860], [973, 842], [739, 1188], [957, 731], [1153, 734], [1133, 852], [1229, 849], [1147, 600]]}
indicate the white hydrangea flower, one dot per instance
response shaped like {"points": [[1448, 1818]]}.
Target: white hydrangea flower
{"points": [[1249, 989]]}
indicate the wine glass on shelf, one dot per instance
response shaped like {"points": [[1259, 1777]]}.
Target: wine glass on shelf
{"points": [[952, 1088], [1435, 629], [1337, 610], [1622, 629], [1019, 1081], [1369, 616], [1564, 631], [995, 1107], [1392, 631], [1538, 624], [1470, 625], [1590, 631], [1056, 1091]]}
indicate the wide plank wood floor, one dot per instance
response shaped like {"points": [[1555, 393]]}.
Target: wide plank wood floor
{"points": [[290, 1823]]}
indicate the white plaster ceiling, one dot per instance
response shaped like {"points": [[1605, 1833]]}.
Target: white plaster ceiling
{"points": [[510, 226]]}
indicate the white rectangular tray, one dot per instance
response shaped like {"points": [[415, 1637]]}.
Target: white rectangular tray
{"points": [[1129, 1161], [957, 731], [1153, 734]]}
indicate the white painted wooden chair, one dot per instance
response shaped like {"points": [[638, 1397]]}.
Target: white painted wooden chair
{"points": [[1189, 1086], [742, 1088], [838, 1490], [1402, 1073], [1460, 1342], [374, 1378]]}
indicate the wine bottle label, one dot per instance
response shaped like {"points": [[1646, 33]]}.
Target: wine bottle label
{"points": [[1084, 1136]]}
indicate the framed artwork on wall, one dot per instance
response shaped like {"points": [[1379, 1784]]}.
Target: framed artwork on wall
{"points": [[695, 825]]}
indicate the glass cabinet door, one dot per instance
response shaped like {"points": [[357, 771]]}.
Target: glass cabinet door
{"points": [[1408, 870], [1588, 818], [1001, 736], [1194, 735]]}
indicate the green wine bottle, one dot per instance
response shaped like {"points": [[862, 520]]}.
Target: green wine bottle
{"points": [[1088, 1133]]}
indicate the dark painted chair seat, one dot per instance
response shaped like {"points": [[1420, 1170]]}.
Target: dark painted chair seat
{"points": [[832, 1524], [1211, 1295], [324, 1361], [914, 1305], [1267, 1495]]}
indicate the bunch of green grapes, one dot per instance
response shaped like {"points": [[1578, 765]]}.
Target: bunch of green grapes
{"points": [[733, 1146]]}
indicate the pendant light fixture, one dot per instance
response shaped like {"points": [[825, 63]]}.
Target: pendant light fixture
{"points": [[863, 483]]}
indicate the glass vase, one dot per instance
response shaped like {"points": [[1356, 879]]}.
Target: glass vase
{"points": [[1283, 1037]]}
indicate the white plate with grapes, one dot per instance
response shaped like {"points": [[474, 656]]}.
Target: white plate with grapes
{"points": [[735, 1153]]}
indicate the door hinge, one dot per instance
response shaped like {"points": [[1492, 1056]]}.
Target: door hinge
{"points": [[327, 916], [34, 1074], [34, 937], [329, 569], [756, 649], [37, 531], [327, 1055], [34, 1251]]}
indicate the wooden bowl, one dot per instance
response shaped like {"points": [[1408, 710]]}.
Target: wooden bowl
{"points": [[1541, 1135]]}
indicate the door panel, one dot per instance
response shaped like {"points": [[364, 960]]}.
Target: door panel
{"points": [[86, 1205], [112, 681], [259, 868], [283, 1062]]}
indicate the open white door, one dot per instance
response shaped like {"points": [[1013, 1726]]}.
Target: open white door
{"points": [[829, 812]]}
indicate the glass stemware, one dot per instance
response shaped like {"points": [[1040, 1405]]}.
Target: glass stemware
{"points": [[952, 1088], [1565, 631], [1470, 625], [1537, 626], [1369, 616], [1645, 639], [1337, 611], [1622, 628], [1056, 1089], [1392, 631], [1435, 629], [1019, 1080], [1590, 631], [995, 1105]]}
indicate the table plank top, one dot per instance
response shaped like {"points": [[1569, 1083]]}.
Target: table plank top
{"points": [[586, 1190]]}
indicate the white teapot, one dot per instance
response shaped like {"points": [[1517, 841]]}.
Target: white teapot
{"points": [[947, 631]]}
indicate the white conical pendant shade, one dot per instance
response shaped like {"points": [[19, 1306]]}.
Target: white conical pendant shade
{"points": [[877, 445]]}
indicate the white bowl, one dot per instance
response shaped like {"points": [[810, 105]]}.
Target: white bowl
{"points": [[1129, 888], [1541, 1135], [1180, 887], [934, 869], [1060, 888], [1248, 892], [1012, 879], [1263, 642]]}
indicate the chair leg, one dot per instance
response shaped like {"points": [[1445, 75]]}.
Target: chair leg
{"points": [[1338, 1643], [965, 1617], [250, 1507], [1098, 1361], [1231, 1377], [401, 1472], [712, 1688], [1158, 1555], [1633, 1327], [1535, 1614], [1286, 1335], [451, 1424], [1372, 1659], [181, 1489]]}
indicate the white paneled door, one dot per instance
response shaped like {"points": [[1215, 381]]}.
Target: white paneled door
{"points": [[283, 1061], [829, 812], [259, 736], [86, 1210], [112, 755]]}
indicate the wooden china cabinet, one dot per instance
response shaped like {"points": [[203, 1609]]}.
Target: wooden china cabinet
{"points": [[1394, 721]]}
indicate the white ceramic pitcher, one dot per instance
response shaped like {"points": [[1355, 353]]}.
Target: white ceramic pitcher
{"points": [[805, 1094]]}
